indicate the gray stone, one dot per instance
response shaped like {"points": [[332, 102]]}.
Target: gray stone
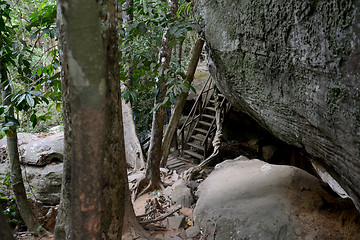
{"points": [[172, 237], [41, 150], [254, 200], [175, 222], [293, 66], [192, 231], [42, 167], [181, 194], [44, 183]]}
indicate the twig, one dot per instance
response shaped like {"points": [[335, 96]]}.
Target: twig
{"points": [[154, 228], [161, 217], [144, 215]]}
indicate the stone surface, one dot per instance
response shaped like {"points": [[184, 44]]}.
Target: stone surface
{"points": [[44, 184], [181, 194], [251, 199], [192, 231], [293, 66], [40, 149], [175, 222], [42, 165]]}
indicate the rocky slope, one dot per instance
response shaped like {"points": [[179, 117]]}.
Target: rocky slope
{"points": [[293, 66]]}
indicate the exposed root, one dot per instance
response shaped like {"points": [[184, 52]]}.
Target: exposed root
{"points": [[145, 185]]}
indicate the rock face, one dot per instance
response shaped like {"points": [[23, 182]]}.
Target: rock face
{"points": [[294, 66], [251, 199], [42, 168]]}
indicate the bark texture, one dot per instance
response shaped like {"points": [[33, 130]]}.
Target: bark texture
{"points": [[180, 102], [294, 66], [97, 151], [17, 182], [63, 223]]}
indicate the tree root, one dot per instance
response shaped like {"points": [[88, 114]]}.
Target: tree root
{"points": [[145, 185]]}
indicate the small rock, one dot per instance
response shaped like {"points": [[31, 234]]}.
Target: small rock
{"points": [[167, 192], [188, 212], [297, 231], [181, 194], [193, 185], [172, 237], [192, 231], [175, 222]]}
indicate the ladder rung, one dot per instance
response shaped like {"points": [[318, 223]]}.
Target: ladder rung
{"points": [[193, 154], [175, 165], [221, 95], [202, 148], [208, 116], [205, 123], [198, 137], [211, 108], [201, 130]]}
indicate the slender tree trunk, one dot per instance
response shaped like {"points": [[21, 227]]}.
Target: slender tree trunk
{"points": [[5, 231], [16, 177], [152, 176], [97, 153], [63, 223], [180, 102], [134, 153]]}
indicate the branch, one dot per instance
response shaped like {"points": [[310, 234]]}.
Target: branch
{"points": [[161, 217]]}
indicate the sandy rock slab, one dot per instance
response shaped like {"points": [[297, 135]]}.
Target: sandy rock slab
{"points": [[251, 199]]}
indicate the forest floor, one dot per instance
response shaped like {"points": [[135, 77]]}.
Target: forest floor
{"points": [[158, 204]]}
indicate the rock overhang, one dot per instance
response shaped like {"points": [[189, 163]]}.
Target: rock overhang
{"points": [[294, 66]]}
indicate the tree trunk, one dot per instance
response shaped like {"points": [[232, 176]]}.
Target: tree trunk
{"points": [[180, 102], [97, 153], [63, 223], [152, 175], [134, 153], [16, 177], [5, 231]]}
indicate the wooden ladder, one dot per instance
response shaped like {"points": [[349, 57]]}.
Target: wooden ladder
{"points": [[199, 128]]}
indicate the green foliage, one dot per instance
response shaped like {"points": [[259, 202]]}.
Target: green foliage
{"points": [[140, 44], [33, 72], [10, 209]]}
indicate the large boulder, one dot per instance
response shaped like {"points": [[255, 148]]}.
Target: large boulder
{"points": [[251, 199], [42, 167], [294, 66]]}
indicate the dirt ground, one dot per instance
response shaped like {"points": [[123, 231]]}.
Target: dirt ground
{"points": [[337, 219]]}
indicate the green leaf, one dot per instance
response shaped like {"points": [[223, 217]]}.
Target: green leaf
{"points": [[30, 100], [12, 121], [33, 120], [35, 93]]}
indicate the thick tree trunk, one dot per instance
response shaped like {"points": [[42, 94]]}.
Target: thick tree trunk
{"points": [[152, 175], [180, 102], [16, 177], [63, 223], [5, 231], [97, 154]]}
